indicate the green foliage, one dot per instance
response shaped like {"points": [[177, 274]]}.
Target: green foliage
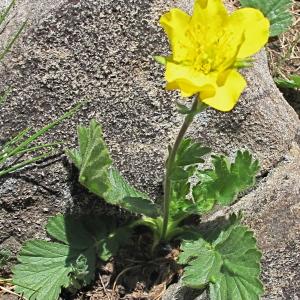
{"points": [[188, 157], [109, 245], [223, 183], [128, 196], [46, 267], [277, 11], [230, 265], [292, 83], [99, 176], [190, 153], [220, 184], [22, 144], [92, 158]]}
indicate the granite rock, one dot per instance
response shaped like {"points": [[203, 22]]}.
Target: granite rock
{"points": [[102, 51]]}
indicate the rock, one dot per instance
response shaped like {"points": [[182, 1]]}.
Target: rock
{"points": [[102, 51], [177, 291], [272, 210]]}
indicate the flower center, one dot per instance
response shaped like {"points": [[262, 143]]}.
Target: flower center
{"points": [[203, 62], [212, 52]]}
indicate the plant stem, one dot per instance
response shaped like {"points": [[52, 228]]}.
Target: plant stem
{"points": [[196, 108]]}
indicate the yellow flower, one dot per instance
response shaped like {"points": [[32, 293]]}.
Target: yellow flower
{"points": [[207, 47]]}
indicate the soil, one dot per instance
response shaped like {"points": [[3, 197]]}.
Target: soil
{"points": [[143, 276]]}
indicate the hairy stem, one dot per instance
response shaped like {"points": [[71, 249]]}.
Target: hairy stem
{"points": [[196, 107]]}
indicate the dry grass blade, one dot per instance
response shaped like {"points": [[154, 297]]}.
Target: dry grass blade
{"points": [[9, 291], [284, 51], [104, 288]]}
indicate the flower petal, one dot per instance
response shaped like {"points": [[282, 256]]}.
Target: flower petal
{"points": [[255, 27], [187, 80], [209, 13], [228, 93], [175, 24]]}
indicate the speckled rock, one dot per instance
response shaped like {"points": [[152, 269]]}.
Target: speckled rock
{"points": [[177, 291], [102, 51]]}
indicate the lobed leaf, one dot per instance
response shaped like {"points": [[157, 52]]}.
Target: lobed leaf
{"points": [[45, 267], [190, 153], [92, 159], [99, 176], [110, 245], [277, 11], [225, 181], [230, 265], [188, 156], [128, 197]]}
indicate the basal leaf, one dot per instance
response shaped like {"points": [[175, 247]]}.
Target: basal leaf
{"points": [[42, 271], [45, 267], [99, 176], [223, 183], [230, 265], [277, 11], [92, 159], [110, 238], [62, 228], [110, 245]]}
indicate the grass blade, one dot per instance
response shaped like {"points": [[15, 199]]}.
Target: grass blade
{"points": [[6, 11], [24, 163], [46, 128], [12, 41]]}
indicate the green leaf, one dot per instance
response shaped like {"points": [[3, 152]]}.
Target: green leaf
{"points": [[230, 265], [292, 83], [92, 159], [42, 271], [204, 263], [99, 176], [223, 183], [244, 170], [180, 205], [178, 173], [188, 156], [45, 267], [110, 245], [128, 197], [190, 153], [277, 11]]}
